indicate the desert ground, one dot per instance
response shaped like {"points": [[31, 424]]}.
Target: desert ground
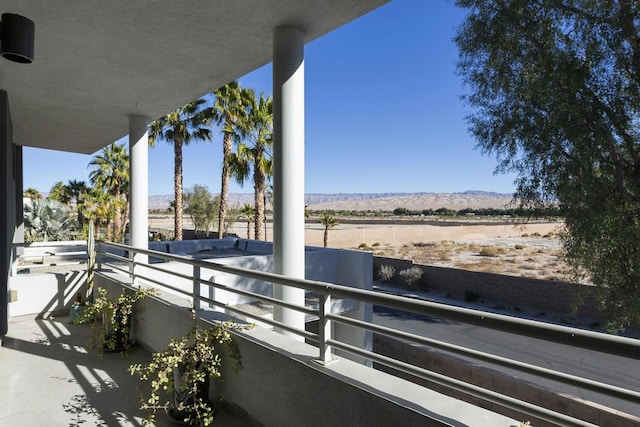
{"points": [[530, 249], [527, 250]]}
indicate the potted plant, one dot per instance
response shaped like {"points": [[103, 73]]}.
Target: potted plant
{"points": [[111, 318], [179, 376]]}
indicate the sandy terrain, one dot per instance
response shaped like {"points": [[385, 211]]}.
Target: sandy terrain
{"points": [[529, 250]]}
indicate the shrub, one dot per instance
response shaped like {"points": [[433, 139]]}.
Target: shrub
{"points": [[375, 245], [386, 272], [410, 276], [519, 246], [488, 251]]}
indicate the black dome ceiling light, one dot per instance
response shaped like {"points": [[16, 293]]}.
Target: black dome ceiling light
{"points": [[16, 38]]}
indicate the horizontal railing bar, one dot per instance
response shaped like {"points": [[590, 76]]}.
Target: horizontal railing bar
{"points": [[162, 270], [116, 267], [309, 335], [114, 256], [262, 298], [565, 378], [461, 386], [173, 288], [57, 264]]}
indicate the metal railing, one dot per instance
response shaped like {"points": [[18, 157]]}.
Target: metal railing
{"points": [[127, 263], [41, 255]]}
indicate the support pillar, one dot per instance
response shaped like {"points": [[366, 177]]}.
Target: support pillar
{"points": [[138, 185], [288, 166], [8, 216]]}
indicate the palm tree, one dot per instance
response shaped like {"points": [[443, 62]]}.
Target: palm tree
{"points": [[97, 206], [328, 221], [248, 211], [229, 104], [76, 189], [59, 192], [111, 173], [180, 127], [32, 193], [254, 141]]}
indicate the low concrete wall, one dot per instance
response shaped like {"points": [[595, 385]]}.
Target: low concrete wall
{"points": [[548, 295], [46, 293], [281, 385]]}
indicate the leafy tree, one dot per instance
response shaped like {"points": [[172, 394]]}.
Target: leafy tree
{"points": [[249, 212], [180, 127], [254, 142], [111, 174], [47, 220], [32, 193], [229, 104], [555, 87], [202, 207], [329, 221]]}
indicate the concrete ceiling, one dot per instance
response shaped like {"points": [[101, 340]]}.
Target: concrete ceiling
{"points": [[97, 62]]}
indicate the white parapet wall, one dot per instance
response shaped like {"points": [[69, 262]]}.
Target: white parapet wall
{"points": [[45, 293]]}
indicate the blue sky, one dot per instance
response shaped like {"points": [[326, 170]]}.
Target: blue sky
{"points": [[383, 114]]}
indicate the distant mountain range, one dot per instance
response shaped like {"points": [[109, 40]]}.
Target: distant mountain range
{"points": [[375, 201]]}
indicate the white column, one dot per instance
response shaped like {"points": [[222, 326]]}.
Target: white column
{"points": [[288, 166], [138, 185]]}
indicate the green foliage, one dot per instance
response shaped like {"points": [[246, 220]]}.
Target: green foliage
{"points": [[555, 90], [229, 105], [386, 273], [249, 213], [329, 221], [59, 192], [110, 174], [550, 211], [32, 193], [203, 208], [254, 146], [47, 220], [110, 318], [180, 127], [183, 369]]}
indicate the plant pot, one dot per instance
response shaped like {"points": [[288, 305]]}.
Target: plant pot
{"points": [[187, 398], [117, 339]]}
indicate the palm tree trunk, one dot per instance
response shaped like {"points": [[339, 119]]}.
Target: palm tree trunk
{"points": [[177, 188], [326, 235], [259, 180], [224, 188], [248, 227]]}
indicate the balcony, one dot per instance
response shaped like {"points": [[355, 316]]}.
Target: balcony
{"points": [[326, 380]]}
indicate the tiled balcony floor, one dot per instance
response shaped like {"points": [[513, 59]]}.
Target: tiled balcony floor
{"points": [[48, 379]]}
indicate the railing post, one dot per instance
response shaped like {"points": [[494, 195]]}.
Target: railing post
{"points": [[132, 266], [196, 287], [324, 329]]}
